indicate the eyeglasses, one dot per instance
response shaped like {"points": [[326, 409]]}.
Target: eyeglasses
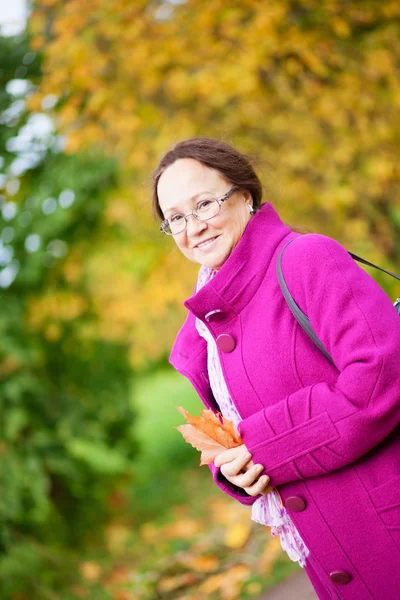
{"points": [[205, 210]]}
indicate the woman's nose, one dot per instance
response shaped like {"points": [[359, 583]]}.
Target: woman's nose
{"points": [[194, 226]]}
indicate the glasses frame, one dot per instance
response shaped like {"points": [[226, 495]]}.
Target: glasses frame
{"points": [[219, 201]]}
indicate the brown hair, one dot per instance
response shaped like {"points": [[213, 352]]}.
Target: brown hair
{"points": [[234, 166]]}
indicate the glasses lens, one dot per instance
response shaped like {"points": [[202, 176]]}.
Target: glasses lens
{"points": [[176, 225], [206, 209]]}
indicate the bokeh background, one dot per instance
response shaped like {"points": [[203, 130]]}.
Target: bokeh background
{"points": [[100, 497]]}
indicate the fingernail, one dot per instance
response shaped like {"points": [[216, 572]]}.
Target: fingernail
{"points": [[265, 478], [248, 456], [259, 467]]}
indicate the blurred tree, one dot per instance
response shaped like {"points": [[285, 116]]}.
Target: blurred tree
{"points": [[312, 86], [66, 437]]}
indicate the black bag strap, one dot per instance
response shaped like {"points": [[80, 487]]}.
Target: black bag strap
{"points": [[370, 264], [298, 314]]}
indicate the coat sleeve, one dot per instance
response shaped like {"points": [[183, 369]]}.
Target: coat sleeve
{"points": [[321, 427]]}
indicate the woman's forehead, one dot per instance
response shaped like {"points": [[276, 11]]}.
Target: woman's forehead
{"points": [[187, 178]]}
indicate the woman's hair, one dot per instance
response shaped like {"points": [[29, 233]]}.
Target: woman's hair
{"points": [[234, 166]]}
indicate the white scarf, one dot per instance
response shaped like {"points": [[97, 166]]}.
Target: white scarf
{"points": [[266, 510]]}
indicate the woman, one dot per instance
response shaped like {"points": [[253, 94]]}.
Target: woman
{"points": [[320, 460]]}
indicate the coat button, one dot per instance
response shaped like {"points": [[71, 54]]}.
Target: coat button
{"points": [[295, 503], [339, 577], [226, 342], [213, 315]]}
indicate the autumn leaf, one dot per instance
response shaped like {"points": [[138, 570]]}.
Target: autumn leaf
{"points": [[238, 534], [210, 433], [175, 582], [207, 563]]}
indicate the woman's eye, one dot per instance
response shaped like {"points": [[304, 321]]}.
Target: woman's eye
{"points": [[204, 204], [176, 218]]}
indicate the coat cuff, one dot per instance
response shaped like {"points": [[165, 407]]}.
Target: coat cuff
{"points": [[278, 453]]}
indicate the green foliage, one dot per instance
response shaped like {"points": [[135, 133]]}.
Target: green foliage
{"points": [[14, 53], [161, 466], [66, 435]]}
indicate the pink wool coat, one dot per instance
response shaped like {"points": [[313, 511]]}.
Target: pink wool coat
{"points": [[327, 435]]}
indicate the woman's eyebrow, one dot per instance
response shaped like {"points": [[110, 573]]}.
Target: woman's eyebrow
{"points": [[195, 197]]}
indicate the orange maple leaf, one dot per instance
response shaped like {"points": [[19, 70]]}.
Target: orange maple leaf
{"points": [[210, 433]]}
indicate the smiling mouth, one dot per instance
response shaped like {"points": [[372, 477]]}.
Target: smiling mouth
{"points": [[206, 243]]}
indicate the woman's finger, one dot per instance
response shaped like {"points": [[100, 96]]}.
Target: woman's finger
{"points": [[258, 487], [235, 467], [249, 465], [248, 478], [229, 455]]}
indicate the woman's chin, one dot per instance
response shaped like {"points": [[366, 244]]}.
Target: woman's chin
{"points": [[212, 261], [213, 256]]}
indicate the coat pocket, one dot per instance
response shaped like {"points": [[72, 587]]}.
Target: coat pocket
{"points": [[386, 499]]}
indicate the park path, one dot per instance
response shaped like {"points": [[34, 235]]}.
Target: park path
{"points": [[296, 587]]}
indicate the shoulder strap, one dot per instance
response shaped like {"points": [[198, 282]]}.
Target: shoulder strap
{"points": [[298, 314], [370, 264]]}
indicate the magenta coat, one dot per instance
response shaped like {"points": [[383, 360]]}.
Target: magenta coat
{"points": [[328, 436]]}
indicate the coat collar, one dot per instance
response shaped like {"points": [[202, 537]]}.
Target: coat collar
{"points": [[235, 284], [232, 288]]}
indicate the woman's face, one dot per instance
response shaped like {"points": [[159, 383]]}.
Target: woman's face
{"points": [[181, 186]]}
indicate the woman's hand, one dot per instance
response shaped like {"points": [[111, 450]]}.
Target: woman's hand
{"points": [[238, 468]]}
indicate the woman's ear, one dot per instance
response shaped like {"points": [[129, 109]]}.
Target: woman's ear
{"points": [[247, 196], [248, 199]]}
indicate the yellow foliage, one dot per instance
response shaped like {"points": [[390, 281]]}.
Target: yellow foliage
{"points": [[90, 571], [149, 532], [183, 529], [72, 270], [116, 536], [53, 332], [238, 534], [169, 584], [201, 564], [228, 583], [57, 306], [270, 553], [9, 365], [228, 514], [309, 86]]}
